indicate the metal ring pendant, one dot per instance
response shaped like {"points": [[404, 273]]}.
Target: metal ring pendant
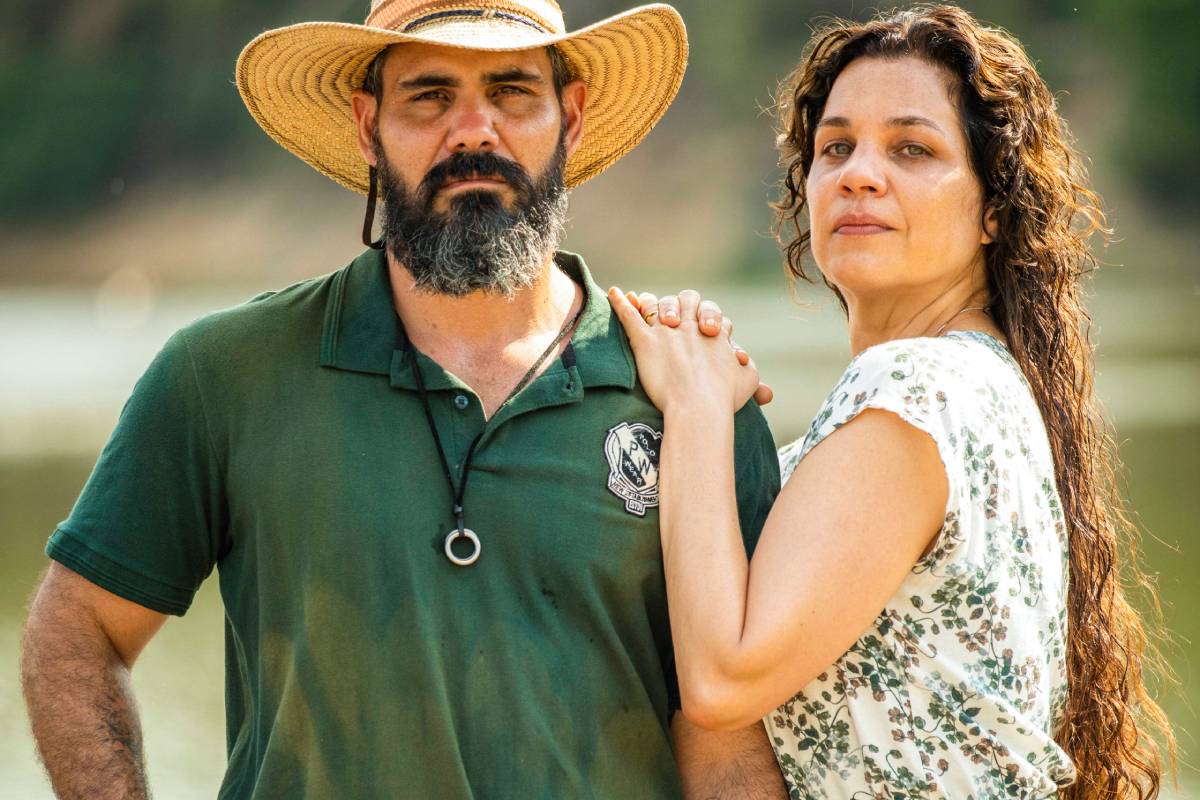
{"points": [[469, 535]]}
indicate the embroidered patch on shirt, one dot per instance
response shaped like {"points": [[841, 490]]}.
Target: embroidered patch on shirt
{"points": [[632, 452]]}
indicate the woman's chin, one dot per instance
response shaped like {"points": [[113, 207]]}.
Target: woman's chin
{"points": [[854, 275]]}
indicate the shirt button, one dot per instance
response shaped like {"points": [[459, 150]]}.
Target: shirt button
{"points": [[461, 401]]}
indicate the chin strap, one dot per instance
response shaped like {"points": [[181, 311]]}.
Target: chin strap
{"points": [[369, 222]]}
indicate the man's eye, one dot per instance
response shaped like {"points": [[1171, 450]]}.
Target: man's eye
{"points": [[432, 94], [511, 90]]}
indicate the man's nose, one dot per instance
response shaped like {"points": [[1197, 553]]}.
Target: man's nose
{"points": [[863, 173], [472, 129]]}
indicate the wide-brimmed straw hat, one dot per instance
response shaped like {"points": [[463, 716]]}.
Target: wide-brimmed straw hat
{"points": [[296, 81]]}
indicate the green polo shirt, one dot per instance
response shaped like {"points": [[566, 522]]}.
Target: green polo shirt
{"points": [[284, 442]]}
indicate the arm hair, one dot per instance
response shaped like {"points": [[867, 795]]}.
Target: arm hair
{"points": [[726, 765], [79, 644]]}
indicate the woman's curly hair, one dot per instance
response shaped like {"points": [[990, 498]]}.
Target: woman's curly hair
{"points": [[1035, 184]]}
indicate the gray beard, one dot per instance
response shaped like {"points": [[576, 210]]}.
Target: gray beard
{"points": [[479, 245]]}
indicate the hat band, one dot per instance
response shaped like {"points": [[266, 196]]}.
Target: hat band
{"points": [[404, 15], [475, 13]]}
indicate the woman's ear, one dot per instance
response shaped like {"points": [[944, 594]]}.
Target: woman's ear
{"points": [[991, 226]]}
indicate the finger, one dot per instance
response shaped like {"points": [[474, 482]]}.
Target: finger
{"points": [[763, 394], [689, 303], [726, 329], [709, 318], [742, 356], [633, 299], [647, 304], [668, 311], [748, 381], [629, 317]]}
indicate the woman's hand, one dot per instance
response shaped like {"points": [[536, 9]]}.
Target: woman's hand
{"points": [[710, 321], [709, 317], [677, 366]]}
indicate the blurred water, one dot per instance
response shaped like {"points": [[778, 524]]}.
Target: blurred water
{"points": [[69, 357]]}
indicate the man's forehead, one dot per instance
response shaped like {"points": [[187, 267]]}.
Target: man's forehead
{"points": [[410, 59]]}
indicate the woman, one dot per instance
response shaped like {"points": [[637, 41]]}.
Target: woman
{"points": [[933, 608]]}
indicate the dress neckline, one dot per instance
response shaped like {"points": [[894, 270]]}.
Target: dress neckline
{"points": [[982, 334]]}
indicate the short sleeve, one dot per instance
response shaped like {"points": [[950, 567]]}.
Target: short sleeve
{"points": [[913, 380], [149, 521], [756, 467]]}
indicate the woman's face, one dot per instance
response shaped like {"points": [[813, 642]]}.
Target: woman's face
{"points": [[893, 203]]}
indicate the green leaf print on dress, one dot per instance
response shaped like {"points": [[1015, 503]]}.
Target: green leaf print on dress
{"points": [[955, 689]]}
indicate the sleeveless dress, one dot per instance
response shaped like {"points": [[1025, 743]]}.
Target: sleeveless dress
{"points": [[956, 687]]}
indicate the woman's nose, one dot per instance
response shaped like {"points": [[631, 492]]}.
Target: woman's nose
{"points": [[863, 173]]}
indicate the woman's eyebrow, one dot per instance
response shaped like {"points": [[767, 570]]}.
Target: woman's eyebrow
{"points": [[834, 122], [896, 122], [906, 122]]}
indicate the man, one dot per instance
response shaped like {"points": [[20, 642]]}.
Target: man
{"points": [[428, 481]]}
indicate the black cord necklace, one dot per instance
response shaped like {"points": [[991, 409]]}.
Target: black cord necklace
{"points": [[461, 531]]}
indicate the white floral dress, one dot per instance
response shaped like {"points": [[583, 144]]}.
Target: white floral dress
{"points": [[955, 689]]}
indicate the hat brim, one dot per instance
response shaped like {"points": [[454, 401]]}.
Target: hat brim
{"points": [[297, 81]]}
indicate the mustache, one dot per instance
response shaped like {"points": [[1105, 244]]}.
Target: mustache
{"points": [[462, 166]]}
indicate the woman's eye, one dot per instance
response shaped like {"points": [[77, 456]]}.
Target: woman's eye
{"points": [[914, 150], [839, 149]]}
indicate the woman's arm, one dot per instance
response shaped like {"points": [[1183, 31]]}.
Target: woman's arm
{"points": [[847, 528]]}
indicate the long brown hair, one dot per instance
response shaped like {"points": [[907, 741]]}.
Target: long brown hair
{"points": [[1035, 184]]}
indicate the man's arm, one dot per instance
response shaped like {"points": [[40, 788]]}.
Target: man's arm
{"points": [[80, 643], [726, 765]]}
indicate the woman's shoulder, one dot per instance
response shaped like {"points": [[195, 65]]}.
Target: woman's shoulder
{"points": [[951, 355], [937, 384], [928, 369]]}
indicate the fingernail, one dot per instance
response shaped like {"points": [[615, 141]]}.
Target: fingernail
{"points": [[709, 322]]}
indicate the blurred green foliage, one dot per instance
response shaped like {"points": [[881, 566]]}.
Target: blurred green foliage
{"points": [[101, 89], [98, 91], [1156, 41]]}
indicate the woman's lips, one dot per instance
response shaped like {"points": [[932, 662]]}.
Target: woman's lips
{"points": [[861, 229], [859, 223]]}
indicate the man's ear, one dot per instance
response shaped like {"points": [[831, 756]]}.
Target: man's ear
{"points": [[574, 99], [991, 226], [366, 115]]}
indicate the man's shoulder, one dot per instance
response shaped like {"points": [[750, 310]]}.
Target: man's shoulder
{"points": [[752, 434], [284, 318]]}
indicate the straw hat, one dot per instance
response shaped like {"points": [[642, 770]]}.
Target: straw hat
{"points": [[296, 81]]}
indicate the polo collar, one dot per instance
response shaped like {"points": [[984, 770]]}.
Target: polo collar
{"points": [[362, 332]]}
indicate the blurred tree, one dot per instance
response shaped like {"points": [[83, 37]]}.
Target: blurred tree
{"points": [[1158, 145], [101, 91], [98, 92]]}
